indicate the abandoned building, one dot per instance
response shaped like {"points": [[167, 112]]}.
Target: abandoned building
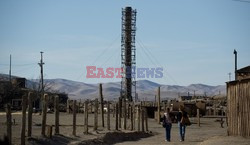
{"points": [[238, 98], [12, 92]]}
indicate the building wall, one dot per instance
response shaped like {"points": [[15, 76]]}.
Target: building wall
{"points": [[238, 98]]}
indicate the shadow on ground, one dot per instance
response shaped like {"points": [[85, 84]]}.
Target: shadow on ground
{"points": [[55, 140], [116, 137], [106, 139]]}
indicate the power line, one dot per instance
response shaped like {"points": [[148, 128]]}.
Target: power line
{"points": [[245, 1], [148, 52], [99, 56], [18, 64], [22, 69], [105, 50]]}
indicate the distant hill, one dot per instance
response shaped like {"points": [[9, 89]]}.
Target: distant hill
{"points": [[146, 89]]}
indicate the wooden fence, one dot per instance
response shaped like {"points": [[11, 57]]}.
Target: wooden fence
{"points": [[124, 115], [238, 99]]}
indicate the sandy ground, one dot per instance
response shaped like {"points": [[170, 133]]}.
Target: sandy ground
{"points": [[210, 133]]}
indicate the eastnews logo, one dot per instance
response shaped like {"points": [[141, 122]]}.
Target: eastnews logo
{"points": [[111, 72]]}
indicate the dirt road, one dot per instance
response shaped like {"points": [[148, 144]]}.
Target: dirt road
{"points": [[210, 133]]}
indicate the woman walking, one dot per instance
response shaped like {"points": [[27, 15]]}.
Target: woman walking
{"points": [[168, 124], [182, 126]]}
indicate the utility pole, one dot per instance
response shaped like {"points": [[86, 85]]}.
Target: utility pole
{"points": [[10, 70], [235, 64], [42, 86]]}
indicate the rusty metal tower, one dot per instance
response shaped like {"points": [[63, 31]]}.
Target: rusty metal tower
{"points": [[128, 62]]}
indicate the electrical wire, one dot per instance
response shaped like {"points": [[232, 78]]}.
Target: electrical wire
{"points": [[99, 56], [105, 50], [155, 60], [246, 1]]}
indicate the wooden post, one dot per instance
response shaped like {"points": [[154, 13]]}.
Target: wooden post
{"points": [[86, 117], [24, 107], [214, 110], [91, 107], [49, 131], [68, 110], [101, 101], [226, 112], [116, 116], [108, 115], [79, 106], [134, 115], [131, 117], [56, 108], [113, 109], [96, 115], [146, 118], [124, 114], [8, 122], [128, 110], [142, 119], [221, 122], [155, 104], [198, 117], [138, 118], [74, 118], [30, 111], [159, 106], [209, 111], [44, 113], [120, 112]]}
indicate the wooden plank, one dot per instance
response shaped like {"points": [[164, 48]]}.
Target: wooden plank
{"points": [[198, 117], [74, 118], [131, 117], [101, 101], [146, 119], [49, 131], [116, 116], [120, 112], [142, 119], [124, 114], [30, 111], [9, 123], [86, 117], [138, 118], [108, 115], [134, 115], [56, 108], [68, 106], [159, 105], [23, 127], [96, 115]]}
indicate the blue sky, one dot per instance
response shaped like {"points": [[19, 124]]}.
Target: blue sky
{"points": [[192, 40]]}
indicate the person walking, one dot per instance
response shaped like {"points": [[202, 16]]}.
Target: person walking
{"points": [[182, 127], [168, 124]]}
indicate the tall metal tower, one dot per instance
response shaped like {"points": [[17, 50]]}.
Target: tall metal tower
{"points": [[128, 83]]}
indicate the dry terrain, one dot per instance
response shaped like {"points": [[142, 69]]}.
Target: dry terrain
{"points": [[210, 133]]}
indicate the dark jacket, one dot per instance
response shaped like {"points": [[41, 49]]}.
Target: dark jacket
{"points": [[180, 114], [165, 118]]}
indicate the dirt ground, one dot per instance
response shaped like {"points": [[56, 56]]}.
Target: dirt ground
{"points": [[210, 133]]}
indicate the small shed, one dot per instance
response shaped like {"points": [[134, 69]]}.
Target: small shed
{"points": [[238, 104]]}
